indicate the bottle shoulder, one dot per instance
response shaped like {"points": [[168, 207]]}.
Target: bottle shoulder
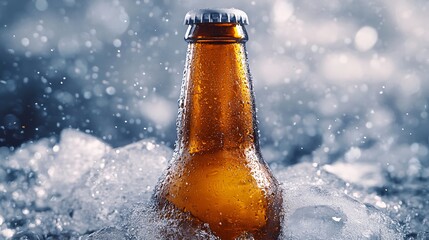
{"points": [[233, 165]]}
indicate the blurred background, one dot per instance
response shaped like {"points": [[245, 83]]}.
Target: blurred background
{"points": [[340, 84], [333, 79]]}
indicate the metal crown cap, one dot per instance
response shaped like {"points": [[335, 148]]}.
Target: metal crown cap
{"points": [[216, 15]]}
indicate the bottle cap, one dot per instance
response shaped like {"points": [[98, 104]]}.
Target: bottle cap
{"points": [[216, 15]]}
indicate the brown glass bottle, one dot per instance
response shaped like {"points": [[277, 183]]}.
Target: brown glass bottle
{"points": [[217, 174]]}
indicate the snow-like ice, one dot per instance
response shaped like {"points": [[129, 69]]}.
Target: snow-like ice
{"points": [[80, 186]]}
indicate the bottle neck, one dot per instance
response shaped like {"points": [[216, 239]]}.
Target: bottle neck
{"points": [[219, 32], [216, 105]]}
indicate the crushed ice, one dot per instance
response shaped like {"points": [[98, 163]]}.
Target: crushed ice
{"points": [[82, 188]]}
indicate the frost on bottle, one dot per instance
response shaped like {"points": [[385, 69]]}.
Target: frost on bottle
{"points": [[217, 175]]}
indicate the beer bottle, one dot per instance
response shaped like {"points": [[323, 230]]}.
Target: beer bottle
{"points": [[217, 173]]}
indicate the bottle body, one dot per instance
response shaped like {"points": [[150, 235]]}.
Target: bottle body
{"points": [[217, 174]]}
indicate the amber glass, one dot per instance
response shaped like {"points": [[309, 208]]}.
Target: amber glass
{"points": [[217, 174]]}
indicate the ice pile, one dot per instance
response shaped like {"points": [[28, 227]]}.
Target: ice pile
{"points": [[80, 187], [320, 206], [77, 186]]}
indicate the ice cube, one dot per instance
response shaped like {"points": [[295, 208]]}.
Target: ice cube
{"points": [[144, 222], [43, 176], [76, 153], [110, 233], [61, 165], [130, 172], [318, 206], [34, 156], [121, 178], [315, 222], [363, 174]]}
